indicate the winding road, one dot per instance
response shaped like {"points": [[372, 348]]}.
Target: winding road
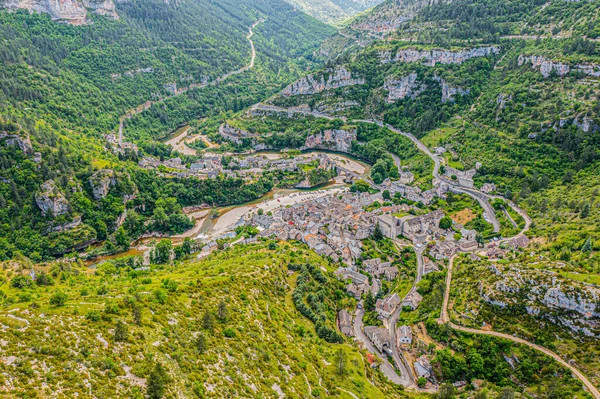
{"points": [[484, 201], [445, 318], [148, 104]]}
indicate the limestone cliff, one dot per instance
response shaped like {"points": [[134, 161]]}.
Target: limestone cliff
{"points": [[399, 89], [546, 295], [15, 140], [50, 200], [547, 66], [70, 11], [313, 84], [433, 57], [101, 183], [449, 92]]}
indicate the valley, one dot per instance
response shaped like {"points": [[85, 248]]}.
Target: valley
{"points": [[300, 199]]}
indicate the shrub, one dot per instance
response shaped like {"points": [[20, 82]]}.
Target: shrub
{"points": [[58, 299], [20, 282]]}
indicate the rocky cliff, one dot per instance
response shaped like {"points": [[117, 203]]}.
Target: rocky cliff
{"points": [[334, 140], [546, 295], [432, 57], [101, 183], [399, 89], [449, 92], [70, 11], [50, 200], [14, 140], [547, 66], [313, 84]]}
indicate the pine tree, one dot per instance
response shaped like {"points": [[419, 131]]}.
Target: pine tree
{"points": [[585, 211], [340, 362], [201, 344], [121, 332], [136, 312], [207, 321], [223, 312], [155, 384]]}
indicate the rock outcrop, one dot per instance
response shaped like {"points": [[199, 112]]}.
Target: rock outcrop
{"points": [[334, 140], [101, 183], [71, 11], [50, 200], [432, 57], [313, 84], [399, 89], [23, 143], [547, 66], [545, 294], [449, 92]]}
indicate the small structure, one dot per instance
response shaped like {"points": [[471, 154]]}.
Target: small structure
{"points": [[385, 307], [423, 368], [345, 323], [404, 336], [380, 337], [412, 300]]}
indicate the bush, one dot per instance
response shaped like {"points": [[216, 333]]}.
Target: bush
{"points": [[229, 333], [93, 315], [21, 282], [58, 299]]}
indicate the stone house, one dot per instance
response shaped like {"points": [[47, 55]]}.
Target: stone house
{"points": [[385, 307], [404, 336], [380, 337], [345, 323], [412, 300]]}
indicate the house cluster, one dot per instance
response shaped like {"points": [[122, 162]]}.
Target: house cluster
{"points": [[120, 147], [377, 268], [463, 178], [416, 228], [332, 226], [400, 187], [247, 168]]}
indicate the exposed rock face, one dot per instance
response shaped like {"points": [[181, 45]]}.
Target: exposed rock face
{"points": [[432, 57], [502, 99], [50, 200], [17, 141], [546, 66], [334, 140], [101, 182], [313, 84], [449, 92], [405, 87], [547, 295], [70, 11]]}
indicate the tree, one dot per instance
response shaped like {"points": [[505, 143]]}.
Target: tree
{"points": [[208, 322], [200, 344], [136, 312], [369, 302], [361, 186], [386, 194], [162, 251], [377, 234], [260, 211], [507, 393], [445, 223], [587, 246], [42, 279], [340, 362], [481, 395], [121, 237], [585, 211], [446, 391], [421, 382], [58, 299], [121, 331], [222, 311], [155, 384]]}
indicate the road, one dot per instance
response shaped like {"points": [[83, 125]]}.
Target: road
{"points": [[386, 368], [148, 104], [445, 318]]}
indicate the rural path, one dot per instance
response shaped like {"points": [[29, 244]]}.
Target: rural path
{"points": [[148, 104], [445, 318]]}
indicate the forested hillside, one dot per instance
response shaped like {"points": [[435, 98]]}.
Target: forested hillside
{"points": [[333, 11], [65, 87]]}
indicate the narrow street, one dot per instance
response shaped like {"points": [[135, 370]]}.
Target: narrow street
{"points": [[386, 368]]}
